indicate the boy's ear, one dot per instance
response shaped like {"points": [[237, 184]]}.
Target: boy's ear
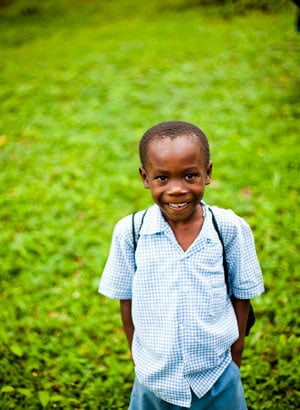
{"points": [[144, 177], [208, 173]]}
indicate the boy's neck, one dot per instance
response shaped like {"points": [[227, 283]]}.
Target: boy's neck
{"points": [[186, 231]]}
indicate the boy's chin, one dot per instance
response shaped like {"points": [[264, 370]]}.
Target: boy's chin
{"points": [[178, 215]]}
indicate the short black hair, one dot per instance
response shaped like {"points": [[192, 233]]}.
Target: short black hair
{"points": [[172, 129]]}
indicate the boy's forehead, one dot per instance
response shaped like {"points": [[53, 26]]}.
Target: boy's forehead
{"points": [[181, 151], [169, 143]]}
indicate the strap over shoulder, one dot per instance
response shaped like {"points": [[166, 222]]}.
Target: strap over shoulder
{"points": [[135, 235], [216, 226], [251, 315]]}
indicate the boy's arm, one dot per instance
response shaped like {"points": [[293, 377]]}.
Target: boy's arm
{"points": [[241, 308], [128, 326]]}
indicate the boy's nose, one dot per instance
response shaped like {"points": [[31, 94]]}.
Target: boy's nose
{"points": [[176, 188]]}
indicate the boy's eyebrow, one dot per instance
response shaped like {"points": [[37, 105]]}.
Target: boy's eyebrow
{"points": [[160, 171], [164, 171], [190, 169]]}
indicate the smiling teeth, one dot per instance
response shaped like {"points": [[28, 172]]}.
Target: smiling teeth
{"points": [[178, 205]]}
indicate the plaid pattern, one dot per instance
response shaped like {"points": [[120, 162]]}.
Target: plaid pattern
{"points": [[184, 320]]}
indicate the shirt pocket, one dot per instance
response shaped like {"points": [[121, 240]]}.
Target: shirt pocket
{"points": [[218, 294]]}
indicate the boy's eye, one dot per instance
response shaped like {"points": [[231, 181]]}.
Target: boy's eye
{"points": [[161, 178], [190, 177]]}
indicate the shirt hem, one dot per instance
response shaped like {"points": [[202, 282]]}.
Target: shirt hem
{"points": [[248, 294], [113, 294]]}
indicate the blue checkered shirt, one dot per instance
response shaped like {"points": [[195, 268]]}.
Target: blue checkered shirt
{"points": [[183, 317]]}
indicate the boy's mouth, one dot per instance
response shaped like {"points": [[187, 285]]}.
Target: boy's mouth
{"points": [[178, 206]]}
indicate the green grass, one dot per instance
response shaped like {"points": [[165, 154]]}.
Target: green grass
{"points": [[80, 83]]}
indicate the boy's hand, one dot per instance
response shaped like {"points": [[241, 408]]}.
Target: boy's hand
{"points": [[241, 308], [237, 351], [125, 306]]}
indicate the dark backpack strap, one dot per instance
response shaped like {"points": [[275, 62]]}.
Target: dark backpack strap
{"points": [[133, 231], [135, 237], [216, 226], [251, 315]]}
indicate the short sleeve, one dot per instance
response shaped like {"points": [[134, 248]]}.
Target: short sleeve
{"points": [[116, 280]]}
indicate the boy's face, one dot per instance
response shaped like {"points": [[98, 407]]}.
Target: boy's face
{"points": [[176, 174]]}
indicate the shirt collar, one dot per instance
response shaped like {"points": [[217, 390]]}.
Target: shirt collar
{"points": [[154, 221]]}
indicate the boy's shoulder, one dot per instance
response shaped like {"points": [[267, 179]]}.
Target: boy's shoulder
{"points": [[135, 219], [223, 215], [229, 222]]}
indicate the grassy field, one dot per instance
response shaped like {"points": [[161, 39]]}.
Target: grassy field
{"points": [[80, 82]]}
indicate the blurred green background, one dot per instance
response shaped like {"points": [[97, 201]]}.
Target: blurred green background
{"points": [[80, 82]]}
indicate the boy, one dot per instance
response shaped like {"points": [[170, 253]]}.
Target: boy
{"points": [[185, 332]]}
